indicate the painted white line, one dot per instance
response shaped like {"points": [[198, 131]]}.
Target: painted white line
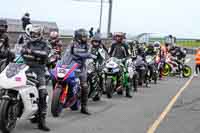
{"points": [[162, 116]]}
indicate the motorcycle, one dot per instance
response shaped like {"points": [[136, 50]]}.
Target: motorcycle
{"points": [[18, 95], [141, 68], [131, 75], [152, 73], [66, 92], [160, 62], [95, 91], [176, 67], [111, 72]]}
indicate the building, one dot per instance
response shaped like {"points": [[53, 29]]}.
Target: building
{"points": [[15, 28]]}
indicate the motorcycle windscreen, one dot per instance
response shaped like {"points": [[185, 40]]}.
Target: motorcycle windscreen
{"points": [[13, 69]]}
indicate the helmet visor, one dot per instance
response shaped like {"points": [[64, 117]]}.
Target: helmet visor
{"points": [[35, 35]]}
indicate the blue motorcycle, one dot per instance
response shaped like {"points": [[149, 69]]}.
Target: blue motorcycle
{"points": [[66, 88]]}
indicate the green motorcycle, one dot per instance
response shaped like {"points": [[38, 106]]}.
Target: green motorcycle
{"points": [[111, 71]]}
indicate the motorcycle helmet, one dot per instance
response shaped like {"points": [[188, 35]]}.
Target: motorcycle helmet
{"points": [[150, 47], [27, 14], [141, 50], [35, 32], [3, 26], [119, 37], [81, 36], [157, 45], [134, 55], [54, 36], [96, 41]]}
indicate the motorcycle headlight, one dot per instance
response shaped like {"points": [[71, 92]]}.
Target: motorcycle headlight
{"points": [[116, 70], [105, 70], [130, 70]]}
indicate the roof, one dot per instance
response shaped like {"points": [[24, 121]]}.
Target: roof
{"points": [[15, 25]]}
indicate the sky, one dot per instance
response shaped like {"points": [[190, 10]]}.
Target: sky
{"points": [[177, 17]]}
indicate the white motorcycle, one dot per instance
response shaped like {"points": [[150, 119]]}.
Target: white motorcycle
{"points": [[18, 95], [131, 75]]}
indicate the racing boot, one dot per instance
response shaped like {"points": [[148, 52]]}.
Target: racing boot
{"points": [[34, 120], [43, 110], [84, 100]]}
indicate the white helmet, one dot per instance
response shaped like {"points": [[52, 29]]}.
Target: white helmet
{"points": [[27, 30], [156, 44], [34, 32]]}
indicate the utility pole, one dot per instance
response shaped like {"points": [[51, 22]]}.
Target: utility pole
{"points": [[109, 17], [101, 12]]}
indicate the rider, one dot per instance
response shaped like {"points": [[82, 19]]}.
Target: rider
{"points": [[5, 52], [178, 54], [35, 54], [160, 56], [96, 45], [141, 51], [78, 52], [119, 49], [150, 50], [98, 58], [55, 42]]}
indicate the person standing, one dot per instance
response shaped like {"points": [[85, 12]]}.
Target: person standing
{"points": [[197, 62], [78, 51], [25, 20], [91, 32], [5, 50], [35, 54]]}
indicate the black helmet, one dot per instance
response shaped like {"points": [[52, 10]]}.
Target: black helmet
{"points": [[151, 47], [3, 25], [140, 50], [170, 36], [27, 14], [81, 35]]}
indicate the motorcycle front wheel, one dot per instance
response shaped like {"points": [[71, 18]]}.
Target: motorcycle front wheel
{"points": [[7, 116], [109, 88], [166, 69], [56, 105], [187, 71]]}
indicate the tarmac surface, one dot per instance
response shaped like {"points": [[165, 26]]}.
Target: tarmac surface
{"points": [[136, 115]]}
